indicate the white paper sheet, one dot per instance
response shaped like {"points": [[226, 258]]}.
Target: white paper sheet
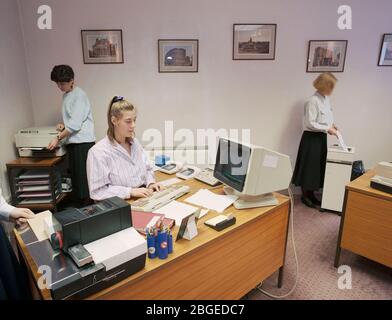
{"points": [[341, 141], [203, 212], [214, 221], [153, 222], [207, 199], [37, 224], [177, 211]]}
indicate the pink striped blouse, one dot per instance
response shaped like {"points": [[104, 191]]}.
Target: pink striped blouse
{"points": [[112, 171]]}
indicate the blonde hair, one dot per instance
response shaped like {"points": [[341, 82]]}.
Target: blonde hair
{"points": [[324, 82], [116, 108]]}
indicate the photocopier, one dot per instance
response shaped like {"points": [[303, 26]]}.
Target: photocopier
{"points": [[337, 175], [88, 249], [33, 142]]}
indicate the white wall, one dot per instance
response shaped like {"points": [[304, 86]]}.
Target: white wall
{"points": [[15, 101], [265, 96]]}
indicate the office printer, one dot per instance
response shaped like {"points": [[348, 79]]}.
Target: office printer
{"points": [[337, 175], [90, 248], [33, 142], [382, 181]]}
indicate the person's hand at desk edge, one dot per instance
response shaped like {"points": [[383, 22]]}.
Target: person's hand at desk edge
{"points": [[145, 192]]}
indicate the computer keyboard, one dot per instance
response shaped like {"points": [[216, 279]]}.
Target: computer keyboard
{"points": [[159, 198], [207, 176]]}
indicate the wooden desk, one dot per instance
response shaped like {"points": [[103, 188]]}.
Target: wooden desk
{"points": [[214, 265], [366, 225]]}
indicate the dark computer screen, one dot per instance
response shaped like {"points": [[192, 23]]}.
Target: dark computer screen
{"points": [[231, 166]]}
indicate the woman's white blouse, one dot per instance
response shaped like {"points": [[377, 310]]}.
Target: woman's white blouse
{"points": [[318, 116], [112, 171]]}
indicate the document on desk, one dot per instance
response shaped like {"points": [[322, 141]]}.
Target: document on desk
{"points": [[176, 210], [37, 224], [203, 213], [207, 199], [341, 141]]}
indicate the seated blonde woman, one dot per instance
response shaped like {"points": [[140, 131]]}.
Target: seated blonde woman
{"points": [[117, 165]]}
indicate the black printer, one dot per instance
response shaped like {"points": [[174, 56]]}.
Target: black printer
{"points": [[95, 228], [81, 226]]}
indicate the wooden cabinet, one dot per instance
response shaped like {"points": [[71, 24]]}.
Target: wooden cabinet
{"points": [[35, 183]]}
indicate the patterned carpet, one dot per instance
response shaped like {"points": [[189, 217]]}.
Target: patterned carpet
{"points": [[316, 238]]}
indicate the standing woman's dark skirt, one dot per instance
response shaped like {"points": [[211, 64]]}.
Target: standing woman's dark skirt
{"points": [[311, 161], [77, 158]]}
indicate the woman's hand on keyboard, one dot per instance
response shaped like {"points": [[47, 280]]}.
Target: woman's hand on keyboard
{"points": [[141, 193], [154, 187]]}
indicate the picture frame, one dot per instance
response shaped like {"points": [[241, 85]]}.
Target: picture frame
{"points": [[385, 57], [102, 46], [326, 55], [178, 55], [254, 41]]}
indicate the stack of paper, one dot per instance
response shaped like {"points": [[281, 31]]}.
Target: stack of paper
{"points": [[207, 199], [33, 186], [31, 174], [177, 211]]}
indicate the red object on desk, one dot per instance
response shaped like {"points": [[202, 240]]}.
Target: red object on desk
{"points": [[141, 219]]}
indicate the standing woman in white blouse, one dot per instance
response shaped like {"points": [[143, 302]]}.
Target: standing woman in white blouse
{"points": [[118, 165], [312, 154]]}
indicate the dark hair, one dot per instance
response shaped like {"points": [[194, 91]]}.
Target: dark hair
{"points": [[62, 73]]}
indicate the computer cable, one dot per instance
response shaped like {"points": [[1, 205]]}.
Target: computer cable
{"points": [[295, 254]]}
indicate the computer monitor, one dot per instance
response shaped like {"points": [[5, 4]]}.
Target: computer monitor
{"points": [[251, 172]]}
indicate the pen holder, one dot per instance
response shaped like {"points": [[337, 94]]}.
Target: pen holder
{"points": [[170, 243], [151, 246], [162, 246]]}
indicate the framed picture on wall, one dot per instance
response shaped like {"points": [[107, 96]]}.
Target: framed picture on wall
{"points": [[254, 41], [385, 59], [102, 46], [178, 55], [326, 55]]}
